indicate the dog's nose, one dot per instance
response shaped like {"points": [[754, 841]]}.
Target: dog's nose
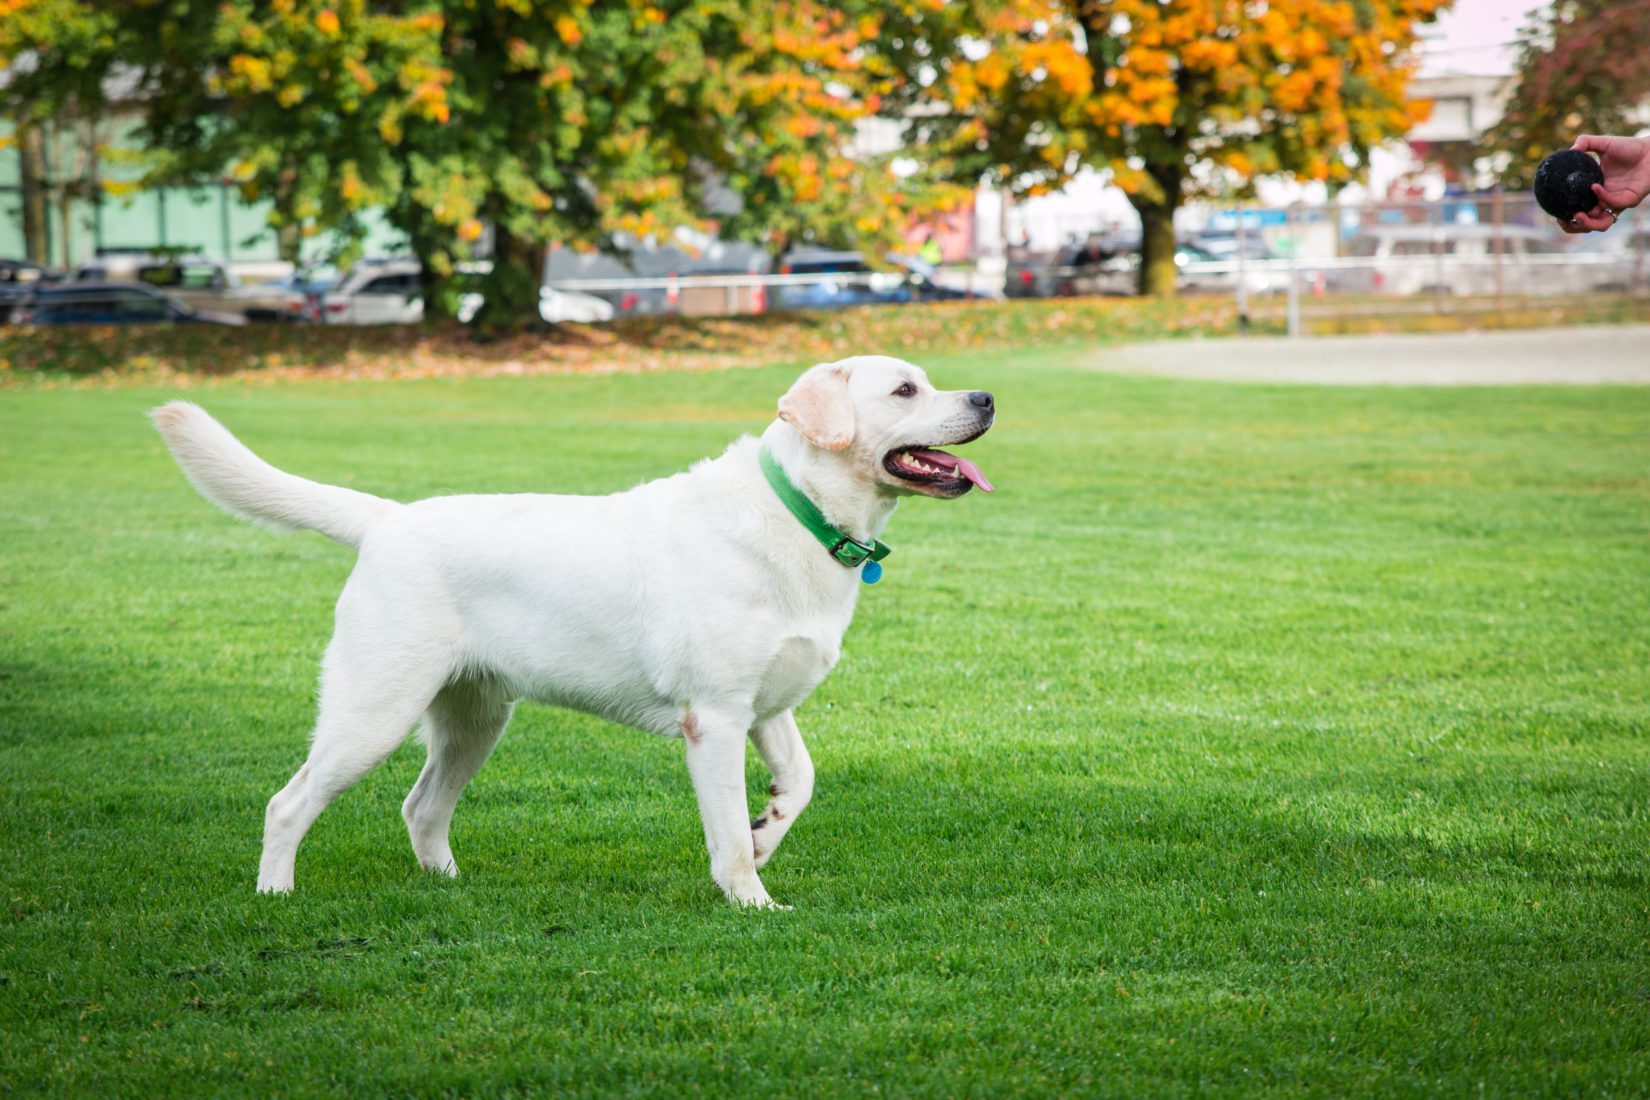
{"points": [[980, 400]]}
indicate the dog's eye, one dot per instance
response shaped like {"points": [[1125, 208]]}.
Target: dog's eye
{"points": [[906, 390]]}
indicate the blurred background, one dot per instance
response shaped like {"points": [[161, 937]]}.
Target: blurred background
{"points": [[520, 163]]}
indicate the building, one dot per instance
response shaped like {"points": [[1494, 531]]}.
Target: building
{"points": [[86, 176]]}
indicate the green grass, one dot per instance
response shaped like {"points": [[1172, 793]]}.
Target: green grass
{"points": [[1250, 739]]}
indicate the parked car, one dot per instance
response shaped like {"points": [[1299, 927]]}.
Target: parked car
{"points": [[312, 281], [391, 292], [1452, 259], [1204, 272], [573, 307], [840, 279], [377, 292], [198, 283], [112, 304], [25, 273], [1030, 274], [1023, 272], [18, 279], [1223, 244], [1616, 261], [1098, 266], [644, 277], [846, 279], [925, 285]]}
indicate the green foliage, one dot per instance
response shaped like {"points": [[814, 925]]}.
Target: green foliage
{"points": [[289, 99], [1582, 68], [549, 121], [1249, 740]]}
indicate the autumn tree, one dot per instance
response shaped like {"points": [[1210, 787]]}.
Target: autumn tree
{"points": [[800, 81], [1176, 99], [288, 100], [572, 123], [1577, 72], [536, 121], [46, 90]]}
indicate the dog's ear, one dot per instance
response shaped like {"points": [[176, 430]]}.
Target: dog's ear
{"points": [[818, 406]]}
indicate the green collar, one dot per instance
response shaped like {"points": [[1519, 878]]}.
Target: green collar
{"points": [[844, 548]]}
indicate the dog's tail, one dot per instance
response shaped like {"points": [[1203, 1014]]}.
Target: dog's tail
{"points": [[244, 485]]}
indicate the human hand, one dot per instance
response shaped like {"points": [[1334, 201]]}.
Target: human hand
{"points": [[1625, 162]]}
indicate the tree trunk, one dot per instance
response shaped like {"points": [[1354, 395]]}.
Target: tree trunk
{"points": [[32, 154], [66, 193], [289, 233], [65, 220], [440, 291], [1158, 273], [1157, 266], [511, 289], [76, 146], [289, 239], [773, 294]]}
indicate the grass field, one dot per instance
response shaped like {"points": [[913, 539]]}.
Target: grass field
{"points": [[1249, 739]]}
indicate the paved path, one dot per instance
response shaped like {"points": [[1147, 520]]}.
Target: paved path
{"points": [[1576, 356]]}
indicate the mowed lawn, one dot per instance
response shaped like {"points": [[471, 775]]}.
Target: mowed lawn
{"points": [[1249, 739]]}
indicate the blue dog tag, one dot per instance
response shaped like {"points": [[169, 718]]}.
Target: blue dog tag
{"points": [[871, 573]]}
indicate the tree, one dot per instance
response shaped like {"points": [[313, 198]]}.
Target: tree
{"points": [[288, 99], [1577, 72], [293, 100], [800, 80], [31, 164], [1175, 98], [54, 53], [540, 120], [573, 123]]}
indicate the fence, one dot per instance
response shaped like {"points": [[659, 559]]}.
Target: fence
{"points": [[1459, 255], [1472, 254]]}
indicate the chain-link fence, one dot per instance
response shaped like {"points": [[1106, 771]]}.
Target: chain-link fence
{"points": [[1478, 253], [1471, 254]]}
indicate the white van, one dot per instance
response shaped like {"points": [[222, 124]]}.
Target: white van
{"points": [[391, 292], [1464, 261], [197, 282]]}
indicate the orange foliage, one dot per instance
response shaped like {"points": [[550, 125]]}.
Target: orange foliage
{"points": [[1297, 86]]}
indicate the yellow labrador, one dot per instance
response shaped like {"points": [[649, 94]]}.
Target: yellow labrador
{"points": [[705, 606]]}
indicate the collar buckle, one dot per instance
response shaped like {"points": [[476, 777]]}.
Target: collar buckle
{"points": [[847, 550], [851, 552]]}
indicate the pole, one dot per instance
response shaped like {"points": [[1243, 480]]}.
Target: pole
{"points": [[1294, 275], [1499, 206], [1438, 257], [223, 221], [1243, 275]]}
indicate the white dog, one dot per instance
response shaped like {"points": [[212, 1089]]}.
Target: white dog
{"points": [[706, 605]]}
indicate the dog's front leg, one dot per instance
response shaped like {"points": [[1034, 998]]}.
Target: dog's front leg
{"points": [[780, 743], [716, 760]]}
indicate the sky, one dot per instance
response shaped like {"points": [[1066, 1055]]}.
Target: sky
{"points": [[1476, 36]]}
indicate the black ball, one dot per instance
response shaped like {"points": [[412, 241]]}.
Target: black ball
{"points": [[1564, 183]]}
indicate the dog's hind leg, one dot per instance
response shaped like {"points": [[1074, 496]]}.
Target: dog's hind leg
{"points": [[780, 743], [370, 698], [462, 726]]}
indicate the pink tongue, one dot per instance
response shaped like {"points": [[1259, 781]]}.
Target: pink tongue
{"points": [[972, 473]]}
